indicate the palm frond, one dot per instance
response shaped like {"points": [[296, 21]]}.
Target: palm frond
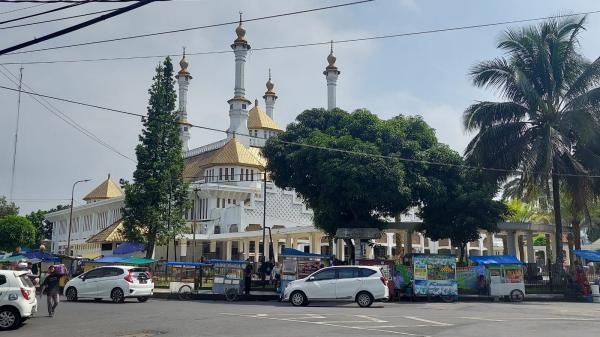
{"points": [[484, 114]]}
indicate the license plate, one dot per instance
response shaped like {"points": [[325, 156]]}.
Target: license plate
{"points": [[143, 281]]}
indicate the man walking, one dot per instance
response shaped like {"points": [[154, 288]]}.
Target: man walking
{"points": [[51, 287]]}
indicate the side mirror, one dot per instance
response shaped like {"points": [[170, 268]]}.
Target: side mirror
{"points": [[82, 277], [312, 278]]}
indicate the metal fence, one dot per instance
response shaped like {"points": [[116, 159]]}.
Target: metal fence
{"points": [[555, 278]]}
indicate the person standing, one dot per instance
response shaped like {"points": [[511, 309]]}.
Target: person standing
{"points": [[248, 278], [51, 286]]}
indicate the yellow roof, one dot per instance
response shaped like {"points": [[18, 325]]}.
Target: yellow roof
{"points": [[194, 165], [258, 119], [108, 189], [235, 153], [112, 233]]}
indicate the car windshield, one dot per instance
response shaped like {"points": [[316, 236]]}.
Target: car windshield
{"points": [[26, 281]]}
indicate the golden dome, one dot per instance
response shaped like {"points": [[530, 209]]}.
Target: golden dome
{"points": [[108, 189], [240, 31], [184, 64], [270, 85], [258, 119], [331, 58]]}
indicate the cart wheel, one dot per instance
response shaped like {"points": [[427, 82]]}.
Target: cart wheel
{"points": [[448, 299], [231, 295], [185, 293], [516, 296]]}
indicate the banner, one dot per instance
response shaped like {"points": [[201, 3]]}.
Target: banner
{"points": [[435, 275]]}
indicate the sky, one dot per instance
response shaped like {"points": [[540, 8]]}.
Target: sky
{"points": [[424, 75]]}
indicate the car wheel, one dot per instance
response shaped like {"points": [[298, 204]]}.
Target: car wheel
{"points": [[9, 318], [117, 295], [142, 299], [298, 299], [71, 294], [364, 299], [516, 296]]}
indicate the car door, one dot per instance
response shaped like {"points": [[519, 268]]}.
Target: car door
{"points": [[321, 285], [348, 283], [4, 289], [109, 280], [89, 283]]}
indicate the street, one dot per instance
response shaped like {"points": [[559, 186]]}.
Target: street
{"points": [[210, 318]]}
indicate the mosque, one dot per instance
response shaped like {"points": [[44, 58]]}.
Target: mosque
{"points": [[227, 189]]}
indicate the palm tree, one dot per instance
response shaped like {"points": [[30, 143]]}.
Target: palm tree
{"points": [[546, 127]]}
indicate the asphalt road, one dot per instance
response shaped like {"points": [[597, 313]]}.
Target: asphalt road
{"points": [[209, 318]]}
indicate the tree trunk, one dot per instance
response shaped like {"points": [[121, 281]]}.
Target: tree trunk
{"points": [[462, 247], [149, 249], [557, 216], [350, 246], [577, 234]]}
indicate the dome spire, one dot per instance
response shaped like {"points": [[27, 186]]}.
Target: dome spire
{"points": [[184, 64], [270, 96], [331, 75], [331, 58], [240, 31]]}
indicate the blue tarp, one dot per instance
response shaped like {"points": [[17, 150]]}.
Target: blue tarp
{"points": [[495, 259], [46, 257], [111, 259], [225, 261], [291, 252], [128, 248], [185, 264], [590, 255]]}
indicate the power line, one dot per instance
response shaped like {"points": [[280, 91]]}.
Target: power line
{"points": [[65, 118], [41, 13], [21, 9], [324, 148], [84, 24], [308, 44], [14, 162], [188, 29], [43, 2], [58, 19]]}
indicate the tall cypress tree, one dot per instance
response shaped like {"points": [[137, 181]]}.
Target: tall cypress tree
{"points": [[156, 201]]}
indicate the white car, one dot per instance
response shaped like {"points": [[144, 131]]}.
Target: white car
{"points": [[17, 298], [362, 284], [114, 283]]}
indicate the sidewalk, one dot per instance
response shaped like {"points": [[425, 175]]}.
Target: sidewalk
{"points": [[206, 294]]}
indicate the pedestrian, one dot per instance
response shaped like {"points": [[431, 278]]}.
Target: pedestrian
{"points": [[247, 278], [50, 286]]}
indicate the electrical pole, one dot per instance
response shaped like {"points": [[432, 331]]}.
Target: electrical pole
{"points": [[264, 252], [12, 180]]}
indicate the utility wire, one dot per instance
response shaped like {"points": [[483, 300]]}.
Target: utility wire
{"points": [[188, 29], [58, 19], [43, 2], [21, 9], [42, 13], [64, 117], [84, 24], [309, 44], [317, 147]]}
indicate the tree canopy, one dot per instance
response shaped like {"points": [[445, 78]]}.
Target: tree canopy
{"points": [[549, 122], [7, 208], [16, 231], [156, 201]]}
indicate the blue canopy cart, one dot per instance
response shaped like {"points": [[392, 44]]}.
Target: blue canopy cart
{"points": [[185, 278], [503, 276], [228, 278]]}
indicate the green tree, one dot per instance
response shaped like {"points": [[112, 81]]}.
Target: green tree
{"points": [[16, 231], [548, 124], [43, 228], [156, 201], [7, 208], [540, 240]]}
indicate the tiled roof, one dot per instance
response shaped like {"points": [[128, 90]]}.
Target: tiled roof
{"points": [[108, 189], [235, 153], [109, 234], [258, 119]]}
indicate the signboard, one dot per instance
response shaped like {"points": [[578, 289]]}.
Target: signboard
{"points": [[358, 233], [306, 268], [435, 275]]}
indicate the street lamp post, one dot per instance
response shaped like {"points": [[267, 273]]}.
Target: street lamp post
{"points": [[71, 215]]}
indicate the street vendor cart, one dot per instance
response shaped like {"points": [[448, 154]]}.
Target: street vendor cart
{"points": [[434, 276], [503, 276], [185, 278], [298, 264], [228, 278]]}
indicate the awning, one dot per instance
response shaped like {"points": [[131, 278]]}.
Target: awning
{"points": [[291, 252], [43, 256], [590, 255], [495, 259], [184, 264], [14, 258], [124, 260]]}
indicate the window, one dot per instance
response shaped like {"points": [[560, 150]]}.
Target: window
{"points": [[226, 173], [217, 229], [231, 106], [232, 173], [326, 274], [112, 272], [233, 228], [223, 202], [220, 173], [98, 272], [264, 134], [347, 272], [2, 280], [218, 203], [244, 106], [106, 246], [228, 201], [247, 174], [185, 128], [364, 272], [252, 175]]}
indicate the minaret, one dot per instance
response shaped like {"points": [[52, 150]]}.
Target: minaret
{"points": [[183, 79], [270, 97], [238, 105], [331, 74]]}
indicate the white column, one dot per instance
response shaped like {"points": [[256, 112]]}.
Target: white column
{"points": [[422, 242], [315, 240], [246, 249], [511, 243], [270, 97], [340, 249], [228, 248], [370, 252], [530, 250], [213, 246], [331, 75], [390, 243], [275, 250]]}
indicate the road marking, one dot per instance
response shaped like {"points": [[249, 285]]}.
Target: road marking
{"points": [[372, 319], [483, 319], [427, 321], [328, 324]]}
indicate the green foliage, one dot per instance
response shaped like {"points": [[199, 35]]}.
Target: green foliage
{"points": [[7, 208], [43, 228], [16, 231], [540, 240], [526, 212], [156, 201], [549, 122]]}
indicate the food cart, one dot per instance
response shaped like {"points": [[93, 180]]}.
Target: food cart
{"points": [[228, 278], [185, 278], [298, 264], [503, 276], [434, 276]]}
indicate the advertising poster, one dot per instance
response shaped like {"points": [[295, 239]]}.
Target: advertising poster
{"points": [[435, 275], [306, 268], [467, 277]]}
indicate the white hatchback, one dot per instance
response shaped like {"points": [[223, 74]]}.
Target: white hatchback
{"points": [[113, 283], [17, 298], [362, 284]]}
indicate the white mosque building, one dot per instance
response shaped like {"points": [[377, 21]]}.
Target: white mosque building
{"points": [[226, 187]]}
